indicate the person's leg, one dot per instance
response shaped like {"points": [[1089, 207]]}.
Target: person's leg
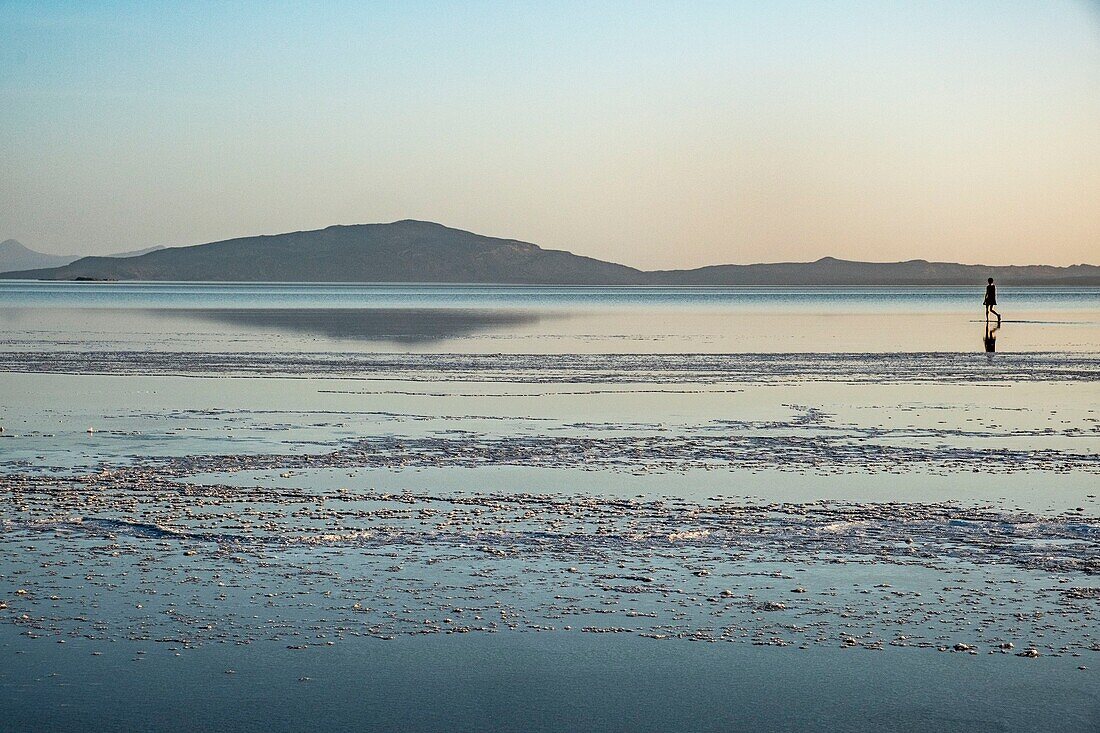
{"points": [[994, 312]]}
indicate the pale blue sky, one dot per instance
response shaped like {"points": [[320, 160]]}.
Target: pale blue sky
{"points": [[655, 134]]}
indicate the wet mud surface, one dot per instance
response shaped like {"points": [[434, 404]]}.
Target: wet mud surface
{"points": [[570, 368]]}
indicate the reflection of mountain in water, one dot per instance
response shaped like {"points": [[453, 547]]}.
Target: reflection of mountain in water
{"points": [[403, 325]]}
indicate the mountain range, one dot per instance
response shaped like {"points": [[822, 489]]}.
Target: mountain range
{"points": [[15, 256], [425, 252]]}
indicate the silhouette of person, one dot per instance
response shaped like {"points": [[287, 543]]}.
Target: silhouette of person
{"points": [[990, 338], [990, 301]]}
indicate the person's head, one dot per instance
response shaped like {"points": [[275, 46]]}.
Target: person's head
{"points": [[990, 281]]}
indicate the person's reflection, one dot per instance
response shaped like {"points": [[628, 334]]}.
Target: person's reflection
{"points": [[991, 337]]}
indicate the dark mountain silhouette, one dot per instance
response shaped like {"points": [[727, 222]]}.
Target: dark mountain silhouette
{"points": [[417, 251], [15, 256], [405, 251], [831, 271]]}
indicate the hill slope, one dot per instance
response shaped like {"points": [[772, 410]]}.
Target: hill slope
{"points": [[417, 251]]}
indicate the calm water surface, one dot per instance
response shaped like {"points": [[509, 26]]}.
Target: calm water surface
{"points": [[522, 319]]}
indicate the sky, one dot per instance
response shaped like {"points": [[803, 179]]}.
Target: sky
{"points": [[659, 135]]}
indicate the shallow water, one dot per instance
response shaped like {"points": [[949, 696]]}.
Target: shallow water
{"points": [[535, 682], [537, 320], [541, 491]]}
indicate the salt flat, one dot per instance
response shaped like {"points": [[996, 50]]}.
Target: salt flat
{"points": [[811, 482]]}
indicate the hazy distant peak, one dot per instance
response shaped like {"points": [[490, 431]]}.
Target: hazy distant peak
{"points": [[16, 256]]}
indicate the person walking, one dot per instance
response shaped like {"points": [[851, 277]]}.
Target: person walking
{"points": [[991, 300]]}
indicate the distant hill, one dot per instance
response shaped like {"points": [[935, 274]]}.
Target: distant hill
{"points": [[418, 251], [831, 271], [404, 251], [15, 256]]}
